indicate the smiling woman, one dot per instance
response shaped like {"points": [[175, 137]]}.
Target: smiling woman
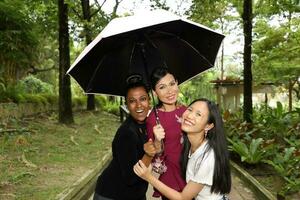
{"points": [[205, 158], [137, 101], [118, 180]]}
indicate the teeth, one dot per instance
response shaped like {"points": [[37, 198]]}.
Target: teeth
{"points": [[139, 111], [188, 123]]}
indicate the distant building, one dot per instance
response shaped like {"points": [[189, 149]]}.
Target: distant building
{"points": [[229, 93]]}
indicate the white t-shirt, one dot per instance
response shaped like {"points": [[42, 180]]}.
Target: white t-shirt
{"points": [[201, 170]]}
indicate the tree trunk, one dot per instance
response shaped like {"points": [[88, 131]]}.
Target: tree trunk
{"points": [[222, 55], [247, 23], [65, 100], [85, 4]]}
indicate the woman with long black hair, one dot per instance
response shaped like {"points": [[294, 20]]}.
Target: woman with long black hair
{"points": [[205, 158]]}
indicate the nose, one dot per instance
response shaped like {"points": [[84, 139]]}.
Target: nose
{"points": [[139, 104], [188, 115], [169, 89]]}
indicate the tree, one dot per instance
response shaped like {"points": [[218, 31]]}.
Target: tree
{"points": [[19, 41], [44, 15], [85, 4], [247, 25], [92, 20], [276, 49], [65, 101], [217, 15]]}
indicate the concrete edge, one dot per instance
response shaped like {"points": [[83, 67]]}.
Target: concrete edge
{"points": [[84, 187], [259, 190]]}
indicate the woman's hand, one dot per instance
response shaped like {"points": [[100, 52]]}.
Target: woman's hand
{"points": [[159, 132], [149, 148], [142, 171]]}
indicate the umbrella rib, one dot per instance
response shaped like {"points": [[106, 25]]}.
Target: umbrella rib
{"points": [[166, 33], [131, 54], [211, 65], [95, 72]]}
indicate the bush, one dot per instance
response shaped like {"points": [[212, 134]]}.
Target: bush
{"points": [[33, 85], [279, 147], [100, 101], [51, 98], [79, 101], [112, 107], [35, 99]]}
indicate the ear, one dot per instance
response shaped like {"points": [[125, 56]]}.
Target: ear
{"points": [[209, 126]]}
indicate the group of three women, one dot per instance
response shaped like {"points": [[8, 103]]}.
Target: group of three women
{"points": [[187, 147]]}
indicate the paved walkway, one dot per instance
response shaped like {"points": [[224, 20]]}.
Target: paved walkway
{"points": [[238, 191]]}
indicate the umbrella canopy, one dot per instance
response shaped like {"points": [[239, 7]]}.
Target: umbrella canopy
{"points": [[140, 43]]}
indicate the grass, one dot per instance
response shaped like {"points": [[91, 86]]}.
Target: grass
{"points": [[41, 157]]}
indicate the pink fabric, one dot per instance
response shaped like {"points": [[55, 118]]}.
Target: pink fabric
{"points": [[172, 146]]}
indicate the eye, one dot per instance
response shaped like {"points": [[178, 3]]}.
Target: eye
{"points": [[173, 83], [198, 114], [144, 98], [131, 101], [189, 109], [162, 87]]}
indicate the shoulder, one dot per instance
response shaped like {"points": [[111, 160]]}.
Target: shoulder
{"points": [[209, 159], [126, 129]]}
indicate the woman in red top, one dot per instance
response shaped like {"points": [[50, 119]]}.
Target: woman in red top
{"points": [[167, 164]]}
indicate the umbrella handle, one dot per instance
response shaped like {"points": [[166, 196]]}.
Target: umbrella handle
{"points": [[162, 148], [143, 51]]}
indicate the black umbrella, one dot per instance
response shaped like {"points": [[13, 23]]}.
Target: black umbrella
{"points": [[140, 43]]}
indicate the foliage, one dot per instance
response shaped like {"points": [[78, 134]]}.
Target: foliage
{"points": [[18, 40], [112, 107], [78, 102], [100, 101], [252, 155], [276, 53], [33, 85], [286, 164], [199, 86], [279, 147]]}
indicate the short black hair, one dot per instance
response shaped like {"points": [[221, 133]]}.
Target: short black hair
{"points": [[134, 81]]}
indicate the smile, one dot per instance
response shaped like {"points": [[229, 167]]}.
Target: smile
{"points": [[139, 110], [187, 122], [171, 97]]}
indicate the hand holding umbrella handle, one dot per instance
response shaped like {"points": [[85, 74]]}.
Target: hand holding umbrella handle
{"points": [[159, 134]]}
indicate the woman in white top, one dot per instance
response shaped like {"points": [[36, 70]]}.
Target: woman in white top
{"points": [[205, 158]]}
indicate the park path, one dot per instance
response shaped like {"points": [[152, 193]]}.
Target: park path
{"points": [[239, 191]]}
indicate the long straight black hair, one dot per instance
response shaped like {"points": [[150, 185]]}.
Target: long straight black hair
{"points": [[217, 142]]}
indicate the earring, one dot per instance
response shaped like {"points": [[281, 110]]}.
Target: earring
{"points": [[205, 133]]}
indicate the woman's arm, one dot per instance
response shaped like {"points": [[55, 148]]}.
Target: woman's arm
{"points": [[189, 192], [150, 152]]}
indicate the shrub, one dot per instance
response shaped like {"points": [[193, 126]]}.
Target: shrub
{"points": [[79, 101], [33, 85], [253, 154], [112, 107], [100, 101]]}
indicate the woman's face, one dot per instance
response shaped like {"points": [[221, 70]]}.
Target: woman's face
{"points": [[138, 103], [167, 90], [194, 119]]}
